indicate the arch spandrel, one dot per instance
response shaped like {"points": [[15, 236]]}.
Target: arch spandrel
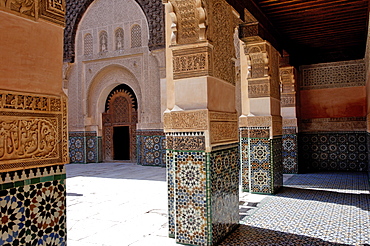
{"points": [[153, 10]]}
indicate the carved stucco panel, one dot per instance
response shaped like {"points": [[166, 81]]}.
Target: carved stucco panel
{"points": [[33, 130], [194, 120]]}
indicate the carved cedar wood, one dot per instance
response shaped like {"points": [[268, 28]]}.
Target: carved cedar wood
{"points": [[120, 112]]}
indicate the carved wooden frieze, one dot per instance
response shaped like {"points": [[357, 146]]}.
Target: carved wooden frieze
{"points": [[53, 10], [26, 8], [33, 130], [192, 62]]}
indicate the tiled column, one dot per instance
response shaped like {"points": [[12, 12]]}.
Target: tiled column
{"points": [[260, 122], [33, 124], [288, 75], [200, 122]]}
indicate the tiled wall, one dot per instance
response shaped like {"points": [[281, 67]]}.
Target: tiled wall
{"points": [[32, 207], [333, 151], [151, 148], [84, 147]]}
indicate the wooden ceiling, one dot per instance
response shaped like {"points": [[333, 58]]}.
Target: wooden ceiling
{"points": [[315, 31]]}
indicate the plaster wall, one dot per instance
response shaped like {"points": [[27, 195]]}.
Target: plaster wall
{"points": [[333, 102], [32, 52]]}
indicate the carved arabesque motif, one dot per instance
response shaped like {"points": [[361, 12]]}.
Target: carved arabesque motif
{"points": [[188, 21], [221, 34]]}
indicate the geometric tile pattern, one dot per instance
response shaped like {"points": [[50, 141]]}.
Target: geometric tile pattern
{"points": [[224, 182], [33, 212], [261, 161], [203, 194], [277, 163], [191, 198], [84, 147], [151, 147], [338, 151], [290, 153], [77, 151], [265, 165], [244, 148], [170, 170], [312, 209]]}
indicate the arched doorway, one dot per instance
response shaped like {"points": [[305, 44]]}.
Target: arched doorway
{"points": [[119, 125]]}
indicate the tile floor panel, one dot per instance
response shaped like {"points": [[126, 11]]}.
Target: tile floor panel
{"points": [[324, 208]]}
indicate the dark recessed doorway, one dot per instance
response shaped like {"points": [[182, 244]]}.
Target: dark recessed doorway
{"points": [[121, 142]]}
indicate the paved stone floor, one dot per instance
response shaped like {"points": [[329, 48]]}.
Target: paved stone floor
{"points": [[119, 204]]}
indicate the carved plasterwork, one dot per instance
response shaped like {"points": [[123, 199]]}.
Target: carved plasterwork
{"points": [[224, 132], [192, 62], [290, 122], [222, 23], [223, 127], [274, 123], [333, 75], [263, 72], [333, 124], [186, 120], [33, 130], [185, 141]]}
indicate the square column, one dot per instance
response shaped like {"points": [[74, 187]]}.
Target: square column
{"points": [[200, 123], [288, 75], [260, 124]]}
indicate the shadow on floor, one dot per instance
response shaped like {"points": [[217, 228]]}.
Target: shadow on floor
{"points": [[254, 236]]}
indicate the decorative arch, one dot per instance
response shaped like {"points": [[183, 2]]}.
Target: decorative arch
{"points": [[153, 10], [103, 82]]}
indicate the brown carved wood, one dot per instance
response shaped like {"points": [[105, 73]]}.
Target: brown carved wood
{"points": [[121, 112]]}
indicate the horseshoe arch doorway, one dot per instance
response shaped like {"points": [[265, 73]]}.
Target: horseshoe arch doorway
{"points": [[119, 125]]}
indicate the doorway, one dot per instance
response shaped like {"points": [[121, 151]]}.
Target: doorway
{"points": [[121, 143], [119, 125]]}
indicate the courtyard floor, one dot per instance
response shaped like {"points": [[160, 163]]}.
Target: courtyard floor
{"points": [[119, 204]]}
